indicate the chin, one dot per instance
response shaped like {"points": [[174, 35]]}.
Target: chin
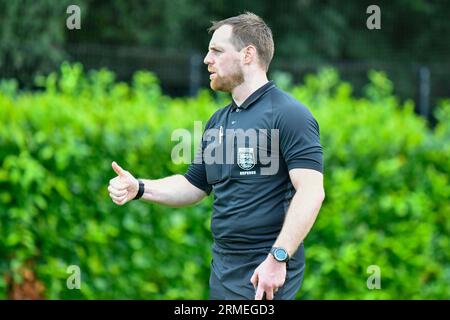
{"points": [[215, 86], [218, 86]]}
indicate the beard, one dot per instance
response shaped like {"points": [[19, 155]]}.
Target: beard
{"points": [[229, 82]]}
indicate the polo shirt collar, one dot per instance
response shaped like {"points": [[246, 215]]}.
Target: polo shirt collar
{"points": [[254, 96]]}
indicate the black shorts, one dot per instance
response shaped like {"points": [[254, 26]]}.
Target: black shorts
{"points": [[231, 272]]}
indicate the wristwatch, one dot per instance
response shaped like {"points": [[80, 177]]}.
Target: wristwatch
{"points": [[280, 254]]}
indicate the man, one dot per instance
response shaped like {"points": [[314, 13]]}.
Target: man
{"points": [[262, 209]]}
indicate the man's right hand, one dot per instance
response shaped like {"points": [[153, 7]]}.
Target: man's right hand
{"points": [[124, 187]]}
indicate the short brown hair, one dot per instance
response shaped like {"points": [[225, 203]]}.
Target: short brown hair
{"points": [[248, 28]]}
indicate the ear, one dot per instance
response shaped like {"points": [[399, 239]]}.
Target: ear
{"points": [[249, 54]]}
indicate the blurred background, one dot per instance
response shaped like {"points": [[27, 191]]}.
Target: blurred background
{"points": [[72, 101]]}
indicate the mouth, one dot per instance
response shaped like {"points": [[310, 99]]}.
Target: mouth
{"points": [[212, 74]]}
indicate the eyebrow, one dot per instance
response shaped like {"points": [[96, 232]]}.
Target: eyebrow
{"points": [[215, 47]]}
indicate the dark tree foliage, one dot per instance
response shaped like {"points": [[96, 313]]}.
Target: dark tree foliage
{"points": [[33, 34]]}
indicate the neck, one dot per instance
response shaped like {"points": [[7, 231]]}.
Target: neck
{"points": [[250, 85]]}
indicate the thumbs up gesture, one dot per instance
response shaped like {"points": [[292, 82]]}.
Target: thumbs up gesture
{"points": [[124, 187]]}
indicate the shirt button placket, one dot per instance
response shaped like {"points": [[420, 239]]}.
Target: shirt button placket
{"points": [[232, 125]]}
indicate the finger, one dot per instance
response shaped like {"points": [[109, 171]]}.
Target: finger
{"points": [[117, 193], [269, 294], [259, 293], [113, 190], [120, 203], [118, 169], [254, 279], [125, 200], [119, 186], [117, 199]]}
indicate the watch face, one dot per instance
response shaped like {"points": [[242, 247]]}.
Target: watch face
{"points": [[280, 254]]}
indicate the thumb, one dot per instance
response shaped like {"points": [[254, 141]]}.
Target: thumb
{"points": [[118, 169]]}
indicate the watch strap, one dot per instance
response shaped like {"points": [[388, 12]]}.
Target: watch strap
{"points": [[140, 191]]}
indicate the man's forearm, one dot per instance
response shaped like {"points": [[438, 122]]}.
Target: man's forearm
{"points": [[302, 213], [173, 191]]}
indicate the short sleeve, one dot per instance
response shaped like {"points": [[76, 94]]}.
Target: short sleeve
{"points": [[196, 173], [299, 138]]}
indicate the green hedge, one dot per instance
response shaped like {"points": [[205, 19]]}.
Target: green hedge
{"points": [[386, 180]]}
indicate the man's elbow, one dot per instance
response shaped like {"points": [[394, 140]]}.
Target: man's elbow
{"points": [[319, 196], [322, 195], [316, 193]]}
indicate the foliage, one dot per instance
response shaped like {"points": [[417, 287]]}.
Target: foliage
{"points": [[387, 203], [33, 34], [386, 180], [310, 29]]}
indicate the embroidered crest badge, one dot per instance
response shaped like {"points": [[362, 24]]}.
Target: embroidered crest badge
{"points": [[246, 158]]}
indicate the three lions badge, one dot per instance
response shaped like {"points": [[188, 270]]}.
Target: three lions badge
{"points": [[246, 158]]}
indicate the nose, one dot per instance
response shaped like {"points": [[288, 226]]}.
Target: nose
{"points": [[207, 59]]}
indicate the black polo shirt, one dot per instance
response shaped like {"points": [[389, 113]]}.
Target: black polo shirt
{"points": [[245, 157]]}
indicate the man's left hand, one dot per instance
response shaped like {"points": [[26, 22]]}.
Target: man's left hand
{"points": [[268, 277]]}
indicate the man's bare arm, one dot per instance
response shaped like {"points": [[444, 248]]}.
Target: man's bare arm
{"points": [[270, 275], [303, 210], [173, 191]]}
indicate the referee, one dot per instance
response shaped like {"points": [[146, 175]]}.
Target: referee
{"points": [[261, 157]]}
